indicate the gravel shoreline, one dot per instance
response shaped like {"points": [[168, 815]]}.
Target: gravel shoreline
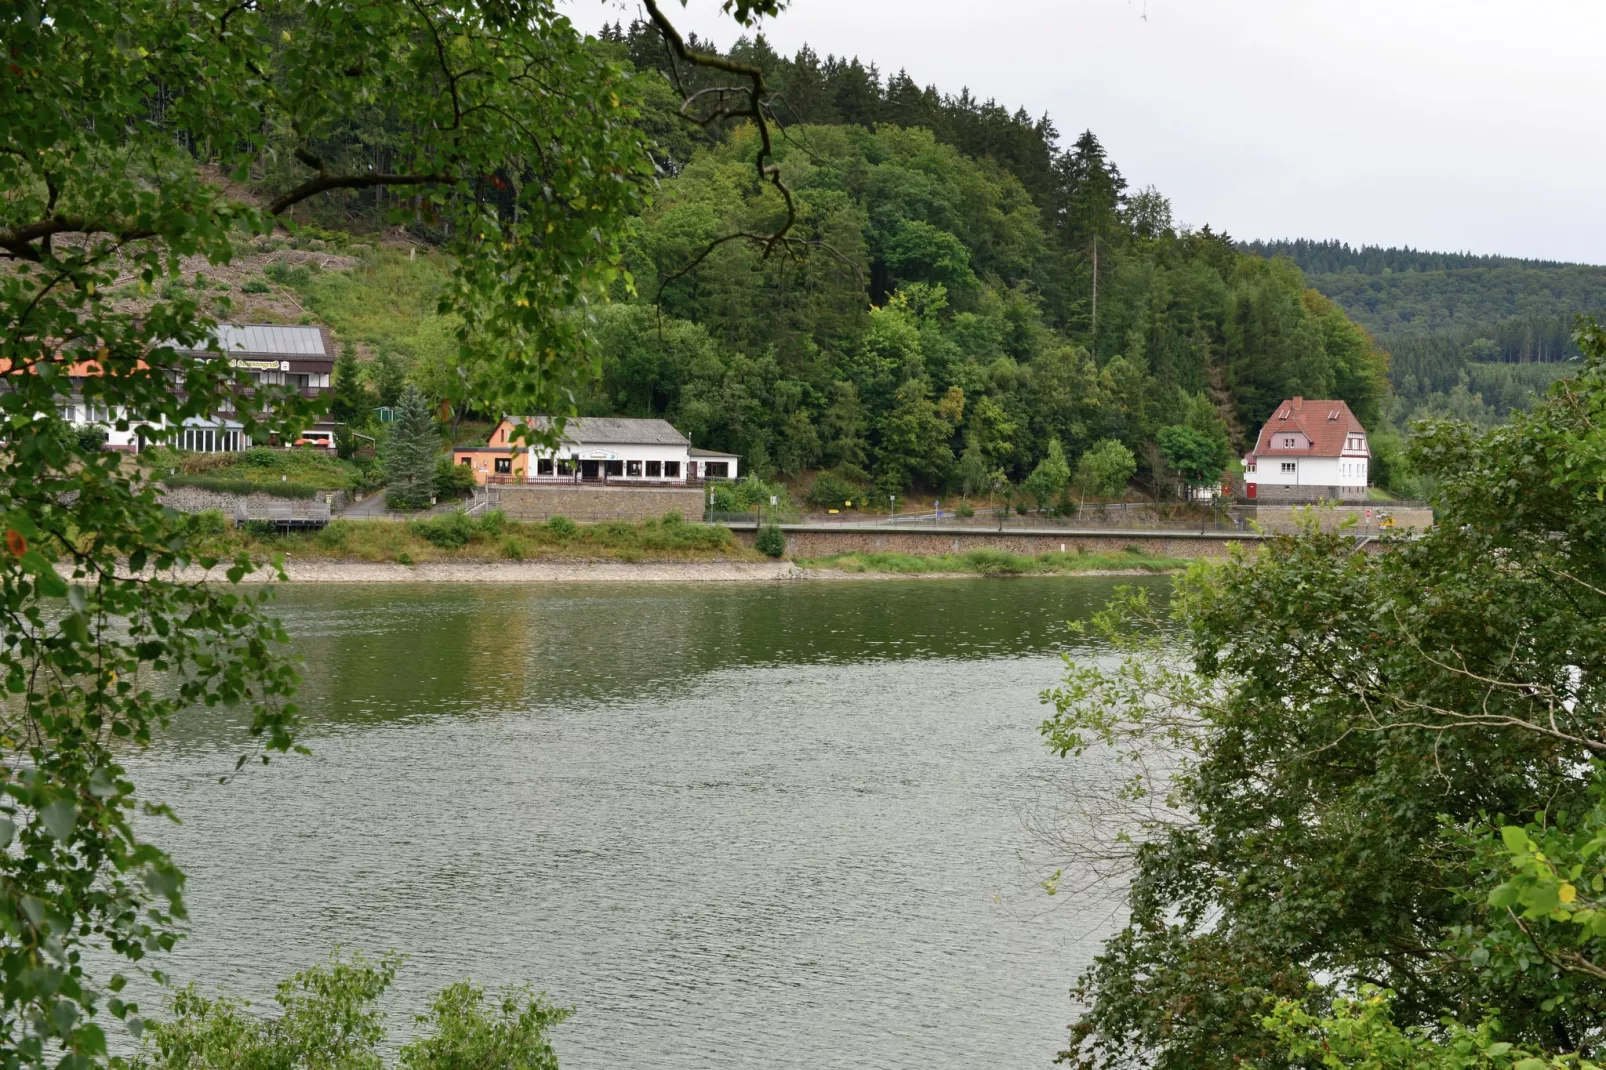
{"points": [[318, 572], [514, 572]]}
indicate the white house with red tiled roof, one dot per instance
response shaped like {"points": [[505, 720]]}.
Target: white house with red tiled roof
{"points": [[1309, 449]]}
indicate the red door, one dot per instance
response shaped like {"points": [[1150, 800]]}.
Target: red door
{"points": [[1249, 490]]}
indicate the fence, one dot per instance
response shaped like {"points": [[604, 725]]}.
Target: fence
{"points": [[1133, 520], [283, 516]]}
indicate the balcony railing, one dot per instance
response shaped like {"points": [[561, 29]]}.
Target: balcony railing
{"points": [[505, 479]]}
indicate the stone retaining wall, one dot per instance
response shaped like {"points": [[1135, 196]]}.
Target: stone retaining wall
{"points": [[199, 500], [1279, 492], [1288, 517], [591, 503], [802, 541]]}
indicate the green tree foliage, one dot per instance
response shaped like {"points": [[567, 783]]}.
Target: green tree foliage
{"points": [[1381, 769], [389, 376], [328, 1020], [1191, 455], [1050, 478], [1472, 337], [770, 540], [1360, 1031], [412, 453], [1103, 471], [350, 400], [948, 273], [117, 121], [975, 475]]}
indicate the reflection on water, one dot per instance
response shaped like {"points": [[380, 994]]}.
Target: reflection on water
{"points": [[734, 826]]}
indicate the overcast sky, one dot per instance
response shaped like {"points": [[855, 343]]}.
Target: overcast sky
{"points": [[1442, 124]]}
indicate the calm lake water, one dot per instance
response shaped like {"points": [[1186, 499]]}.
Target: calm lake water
{"points": [[731, 825]]}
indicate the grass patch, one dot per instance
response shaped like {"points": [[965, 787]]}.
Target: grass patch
{"points": [[986, 562], [272, 471], [388, 302], [491, 537], [225, 485]]}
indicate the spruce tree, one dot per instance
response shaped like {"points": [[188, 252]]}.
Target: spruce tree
{"points": [[349, 399], [411, 452]]}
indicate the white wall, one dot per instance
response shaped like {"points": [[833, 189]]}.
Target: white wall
{"points": [[1310, 472], [614, 452], [732, 472]]}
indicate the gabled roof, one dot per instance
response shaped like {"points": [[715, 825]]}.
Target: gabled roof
{"points": [[1325, 423], [273, 340], [238, 340], [612, 430]]}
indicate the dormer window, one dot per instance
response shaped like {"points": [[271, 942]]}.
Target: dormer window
{"points": [[1290, 442]]}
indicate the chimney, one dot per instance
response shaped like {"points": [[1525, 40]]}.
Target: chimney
{"points": [[1298, 402]]}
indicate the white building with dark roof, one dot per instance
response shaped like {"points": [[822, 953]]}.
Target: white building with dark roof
{"points": [[596, 449], [276, 356]]}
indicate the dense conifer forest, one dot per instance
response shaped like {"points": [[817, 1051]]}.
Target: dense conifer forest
{"points": [[1469, 336]]}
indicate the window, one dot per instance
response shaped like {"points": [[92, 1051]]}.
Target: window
{"points": [[543, 466], [616, 468], [1289, 466], [1288, 443], [633, 468], [716, 469], [671, 469], [504, 465], [565, 468], [655, 469], [468, 461], [1250, 469]]}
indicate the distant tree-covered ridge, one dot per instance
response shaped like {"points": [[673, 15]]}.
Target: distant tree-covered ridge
{"points": [[1526, 307], [1333, 257], [1468, 336]]}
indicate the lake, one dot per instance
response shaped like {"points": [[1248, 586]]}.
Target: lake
{"points": [[783, 825]]}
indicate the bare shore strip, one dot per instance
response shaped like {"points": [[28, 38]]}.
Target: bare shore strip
{"points": [[322, 572]]}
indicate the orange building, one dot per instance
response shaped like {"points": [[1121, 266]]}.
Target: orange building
{"points": [[493, 464]]}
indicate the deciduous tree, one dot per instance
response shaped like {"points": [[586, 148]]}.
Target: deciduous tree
{"points": [[1367, 769], [1103, 471], [127, 132]]}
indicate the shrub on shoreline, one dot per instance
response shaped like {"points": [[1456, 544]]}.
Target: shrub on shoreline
{"points": [[989, 562], [492, 537], [770, 540]]}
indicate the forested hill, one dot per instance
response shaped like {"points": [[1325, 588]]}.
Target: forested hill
{"points": [[1336, 258], [1395, 292], [1469, 336], [972, 293]]}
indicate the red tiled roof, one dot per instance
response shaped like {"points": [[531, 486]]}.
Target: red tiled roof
{"points": [[1325, 423]]}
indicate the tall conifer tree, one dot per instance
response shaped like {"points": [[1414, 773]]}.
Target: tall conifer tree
{"points": [[412, 452]]}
